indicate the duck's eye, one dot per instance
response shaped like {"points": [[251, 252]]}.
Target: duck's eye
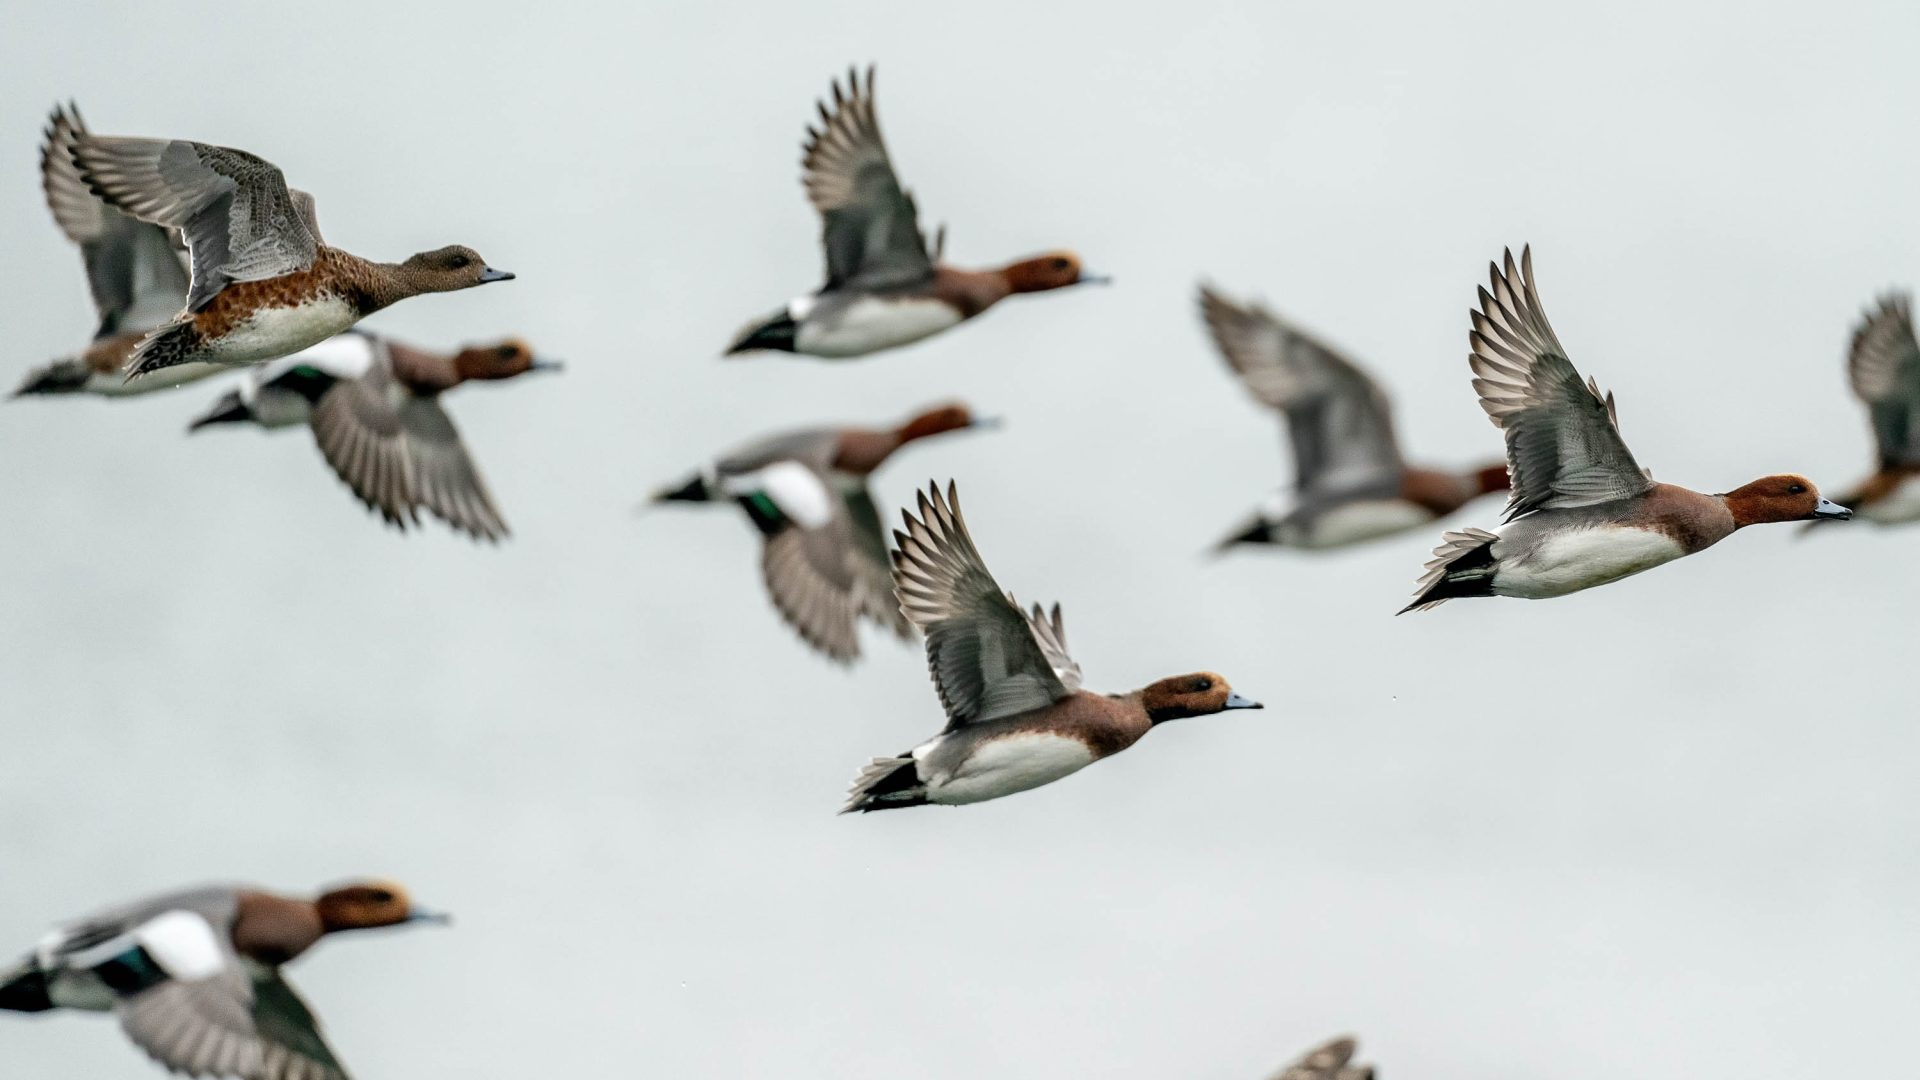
{"points": [[458, 262], [1202, 685], [1060, 264], [506, 352], [1796, 489], [380, 896]]}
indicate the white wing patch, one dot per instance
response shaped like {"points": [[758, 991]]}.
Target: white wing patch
{"points": [[794, 488], [183, 944]]}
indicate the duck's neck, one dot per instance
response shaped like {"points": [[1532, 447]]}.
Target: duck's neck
{"points": [[862, 450], [273, 929], [971, 291], [380, 284], [424, 372]]}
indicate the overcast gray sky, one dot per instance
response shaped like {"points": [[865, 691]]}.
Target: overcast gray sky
{"points": [[1663, 828]]}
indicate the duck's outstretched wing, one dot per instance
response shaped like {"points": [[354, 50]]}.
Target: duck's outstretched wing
{"points": [[1563, 437], [1884, 367], [870, 226], [1338, 419], [985, 655], [240, 221]]}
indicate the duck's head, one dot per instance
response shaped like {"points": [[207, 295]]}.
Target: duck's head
{"points": [[1201, 694], [940, 420], [1786, 497], [364, 905], [449, 269], [1054, 270], [502, 360]]}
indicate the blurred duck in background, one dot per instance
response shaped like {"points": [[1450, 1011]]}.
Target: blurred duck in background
{"points": [[823, 553], [1017, 717], [264, 282], [1350, 482], [194, 976], [135, 273], [1583, 512], [886, 286], [1331, 1061], [1884, 367], [373, 405]]}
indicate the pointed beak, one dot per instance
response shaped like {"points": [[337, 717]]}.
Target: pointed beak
{"points": [[543, 364], [1095, 279], [228, 410], [1238, 701], [987, 422], [1831, 511], [438, 918], [490, 274]]}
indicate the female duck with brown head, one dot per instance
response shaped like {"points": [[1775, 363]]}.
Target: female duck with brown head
{"points": [[374, 407], [1017, 717], [195, 975], [823, 554], [1583, 512], [885, 287], [264, 282], [1350, 482]]}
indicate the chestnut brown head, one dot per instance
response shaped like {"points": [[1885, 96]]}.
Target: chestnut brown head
{"points": [[1786, 497], [1055, 270], [365, 905], [1201, 694], [501, 360], [939, 420]]}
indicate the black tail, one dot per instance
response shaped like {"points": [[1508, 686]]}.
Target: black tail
{"points": [[1461, 566], [775, 332], [229, 409], [59, 377], [174, 343], [886, 784], [26, 990]]}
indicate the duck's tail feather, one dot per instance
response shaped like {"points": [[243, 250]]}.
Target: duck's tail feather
{"points": [[887, 783], [776, 331], [174, 343], [1461, 566], [67, 376], [24, 989]]}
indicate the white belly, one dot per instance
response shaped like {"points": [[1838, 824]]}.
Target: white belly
{"points": [[117, 385], [1571, 561], [1350, 523], [870, 324], [1007, 765], [1902, 504], [274, 332]]}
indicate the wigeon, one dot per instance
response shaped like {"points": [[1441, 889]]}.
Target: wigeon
{"points": [[1884, 366], [1332, 1060], [374, 407], [194, 975], [1350, 482], [264, 282], [824, 553], [1582, 512], [1016, 715], [885, 286], [137, 279]]}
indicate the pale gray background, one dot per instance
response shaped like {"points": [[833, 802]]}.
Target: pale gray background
{"points": [[1661, 829]]}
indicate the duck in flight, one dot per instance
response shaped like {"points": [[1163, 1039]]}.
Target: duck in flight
{"points": [[1017, 717], [264, 282], [1582, 512], [886, 286], [1350, 482]]}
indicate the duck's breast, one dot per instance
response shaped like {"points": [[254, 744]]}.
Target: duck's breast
{"points": [[1001, 765], [843, 326], [1555, 561]]}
